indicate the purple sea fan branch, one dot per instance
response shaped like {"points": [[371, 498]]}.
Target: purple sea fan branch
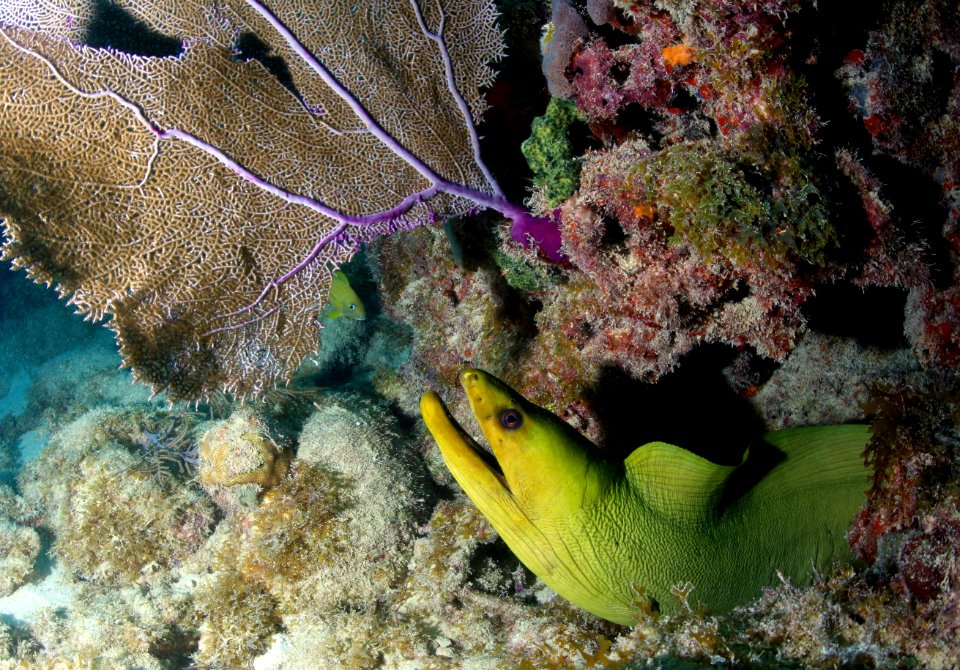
{"points": [[496, 202], [248, 175], [371, 123], [437, 37], [199, 203], [527, 228]]}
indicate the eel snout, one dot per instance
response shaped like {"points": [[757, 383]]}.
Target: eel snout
{"points": [[471, 465]]}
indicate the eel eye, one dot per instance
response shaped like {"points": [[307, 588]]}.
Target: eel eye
{"points": [[511, 419]]}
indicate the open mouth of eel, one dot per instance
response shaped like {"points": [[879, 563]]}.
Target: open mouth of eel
{"points": [[464, 456]]}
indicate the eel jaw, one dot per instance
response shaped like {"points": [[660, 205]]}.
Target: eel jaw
{"points": [[473, 468], [489, 491], [485, 486]]}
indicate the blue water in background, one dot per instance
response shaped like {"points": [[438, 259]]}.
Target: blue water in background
{"points": [[44, 348]]}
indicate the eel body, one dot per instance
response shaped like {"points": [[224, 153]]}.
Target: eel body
{"points": [[618, 538]]}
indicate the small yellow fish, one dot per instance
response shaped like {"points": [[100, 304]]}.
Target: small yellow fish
{"points": [[343, 300]]}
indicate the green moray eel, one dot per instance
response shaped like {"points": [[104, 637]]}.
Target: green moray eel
{"points": [[619, 538]]}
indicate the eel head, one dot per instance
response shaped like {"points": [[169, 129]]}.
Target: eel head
{"points": [[542, 473], [544, 466]]}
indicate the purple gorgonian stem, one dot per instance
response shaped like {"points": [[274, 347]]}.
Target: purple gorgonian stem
{"points": [[527, 229]]}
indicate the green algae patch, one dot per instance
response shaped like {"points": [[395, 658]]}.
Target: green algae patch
{"points": [[750, 213], [549, 152]]}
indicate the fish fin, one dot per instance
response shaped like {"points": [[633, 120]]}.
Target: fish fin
{"points": [[675, 482], [334, 313], [818, 458], [835, 439], [805, 485]]}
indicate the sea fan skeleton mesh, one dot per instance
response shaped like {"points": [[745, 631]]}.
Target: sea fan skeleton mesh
{"points": [[200, 204]]}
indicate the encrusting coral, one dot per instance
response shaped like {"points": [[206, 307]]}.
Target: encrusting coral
{"points": [[238, 459], [903, 87], [19, 548], [127, 627], [458, 315], [347, 433], [237, 617], [915, 456], [827, 380]]}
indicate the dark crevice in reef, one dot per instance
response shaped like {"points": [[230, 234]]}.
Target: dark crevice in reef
{"points": [[692, 407], [873, 316]]}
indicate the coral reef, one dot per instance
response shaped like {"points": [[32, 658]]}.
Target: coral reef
{"points": [[712, 238], [826, 380], [727, 197], [113, 521], [333, 537], [903, 87], [662, 254], [718, 201], [759, 228]]}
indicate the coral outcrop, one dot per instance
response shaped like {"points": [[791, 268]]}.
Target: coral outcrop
{"points": [[238, 459], [715, 202], [903, 88], [331, 541], [465, 315], [126, 627], [114, 522]]}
